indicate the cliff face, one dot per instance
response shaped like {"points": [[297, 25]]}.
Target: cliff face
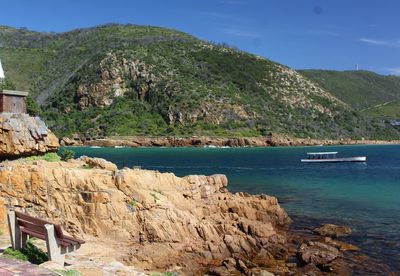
{"points": [[164, 221], [22, 135]]}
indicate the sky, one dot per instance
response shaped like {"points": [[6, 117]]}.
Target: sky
{"points": [[303, 34]]}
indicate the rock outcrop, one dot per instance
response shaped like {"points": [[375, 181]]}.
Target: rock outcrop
{"points": [[205, 141], [21, 135], [156, 221], [166, 221]]}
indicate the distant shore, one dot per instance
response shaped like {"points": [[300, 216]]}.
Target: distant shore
{"points": [[205, 141]]}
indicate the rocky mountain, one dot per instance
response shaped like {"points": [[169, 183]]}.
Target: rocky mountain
{"points": [[375, 95], [118, 80]]}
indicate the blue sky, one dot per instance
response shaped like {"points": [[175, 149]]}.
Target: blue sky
{"points": [[319, 34]]}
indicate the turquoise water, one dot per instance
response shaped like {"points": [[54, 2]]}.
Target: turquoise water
{"points": [[365, 196]]}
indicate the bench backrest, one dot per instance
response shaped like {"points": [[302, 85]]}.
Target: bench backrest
{"points": [[37, 224]]}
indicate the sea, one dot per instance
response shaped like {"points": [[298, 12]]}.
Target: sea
{"points": [[363, 196]]}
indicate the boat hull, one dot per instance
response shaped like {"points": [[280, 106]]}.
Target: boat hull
{"points": [[333, 160]]}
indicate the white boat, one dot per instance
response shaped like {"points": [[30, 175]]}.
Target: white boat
{"points": [[320, 157]]}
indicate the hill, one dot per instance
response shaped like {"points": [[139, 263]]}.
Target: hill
{"points": [[359, 89], [388, 111], [118, 80]]}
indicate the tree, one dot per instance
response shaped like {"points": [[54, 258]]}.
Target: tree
{"points": [[6, 83]]}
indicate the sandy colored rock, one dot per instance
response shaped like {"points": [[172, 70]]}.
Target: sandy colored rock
{"points": [[99, 163], [22, 135], [333, 231], [164, 221]]}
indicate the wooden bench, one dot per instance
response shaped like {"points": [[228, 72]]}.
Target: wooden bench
{"points": [[21, 226]]}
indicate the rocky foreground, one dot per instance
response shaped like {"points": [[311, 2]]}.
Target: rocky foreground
{"points": [[21, 134], [158, 222], [204, 141]]}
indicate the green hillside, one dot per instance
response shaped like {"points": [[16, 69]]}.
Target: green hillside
{"points": [[359, 89], [138, 80], [389, 111]]}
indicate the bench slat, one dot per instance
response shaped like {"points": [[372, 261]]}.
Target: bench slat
{"points": [[73, 240], [33, 227], [30, 219], [36, 227]]}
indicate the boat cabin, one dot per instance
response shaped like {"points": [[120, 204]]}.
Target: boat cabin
{"points": [[12, 101], [321, 155]]}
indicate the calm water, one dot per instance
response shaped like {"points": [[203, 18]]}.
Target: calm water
{"points": [[365, 196]]}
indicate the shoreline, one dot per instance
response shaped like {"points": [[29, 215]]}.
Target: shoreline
{"points": [[221, 232], [206, 141]]}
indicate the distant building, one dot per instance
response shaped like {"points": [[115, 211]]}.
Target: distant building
{"points": [[13, 101]]}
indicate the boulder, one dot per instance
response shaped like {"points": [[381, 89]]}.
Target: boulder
{"points": [[22, 135], [99, 163], [317, 253], [333, 231]]}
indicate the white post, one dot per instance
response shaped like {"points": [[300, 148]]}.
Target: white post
{"points": [[15, 233], [53, 248], [1, 72]]}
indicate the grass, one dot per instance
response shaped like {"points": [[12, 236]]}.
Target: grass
{"points": [[159, 192], [49, 157], [360, 89], [69, 272], [389, 111], [155, 196], [30, 253], [133, 202]]}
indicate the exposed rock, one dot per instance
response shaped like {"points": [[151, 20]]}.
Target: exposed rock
{"points": [[98, 163], [333, 231], [164, 220], [318, 253], [66, 141], [116, 77], [204, 141], [342, 246], [22, 135]]}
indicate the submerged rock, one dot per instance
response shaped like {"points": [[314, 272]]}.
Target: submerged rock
{"points": [[333, 231], [21, 135]]}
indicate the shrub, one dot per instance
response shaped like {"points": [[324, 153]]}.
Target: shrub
{"points": [[49, 157], [29, 253], [66, 154]]}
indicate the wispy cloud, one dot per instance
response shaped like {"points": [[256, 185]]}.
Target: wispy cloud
{"points": [[242, 33], [387, 43]]}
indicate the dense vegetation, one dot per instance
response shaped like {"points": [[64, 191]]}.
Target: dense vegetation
{"points": [[136, 80]]}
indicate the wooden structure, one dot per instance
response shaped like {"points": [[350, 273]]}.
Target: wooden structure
{"points": [[23, 226], [12, 101]]}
